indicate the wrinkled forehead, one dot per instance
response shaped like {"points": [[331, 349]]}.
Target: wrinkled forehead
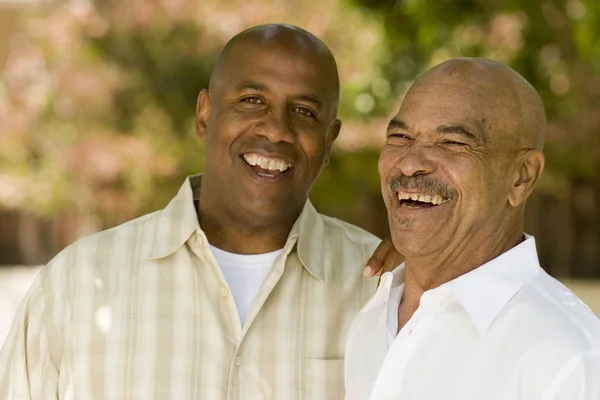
{"points": [[455, 98]]}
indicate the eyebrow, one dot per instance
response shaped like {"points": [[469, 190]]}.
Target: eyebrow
{"points": [[396, 124], [248, 84], [310, 99], [260, 87], [458, 130]]}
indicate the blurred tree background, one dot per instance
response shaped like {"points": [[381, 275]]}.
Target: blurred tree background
{"points": [[97, 104]]}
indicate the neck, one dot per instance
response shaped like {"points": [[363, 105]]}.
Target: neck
{"points": [[234, 236], [430, 271]]}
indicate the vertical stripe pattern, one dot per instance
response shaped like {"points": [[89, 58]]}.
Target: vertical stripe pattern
{"points": [[142, 311]]}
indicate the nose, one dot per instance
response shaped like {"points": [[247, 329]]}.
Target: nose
{"points": [[416, 160], [276, 127]]}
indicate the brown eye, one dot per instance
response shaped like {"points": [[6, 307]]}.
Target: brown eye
{"points": [[253, 100], [303, 111]]}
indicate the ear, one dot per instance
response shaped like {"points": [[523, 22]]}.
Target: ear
{"points": [[530, 169], [203, 109], [334, 131]]}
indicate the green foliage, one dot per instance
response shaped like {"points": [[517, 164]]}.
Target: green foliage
{"points": [[553, 43], [97, 99], [164, 65]]}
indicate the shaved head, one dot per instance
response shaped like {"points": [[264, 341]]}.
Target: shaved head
{"points": [[269, 120], [282, 38], [502, 92], [462, 155]]}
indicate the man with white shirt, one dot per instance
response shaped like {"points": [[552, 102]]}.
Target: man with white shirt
{"points": [[470, 315], [238, 288]]}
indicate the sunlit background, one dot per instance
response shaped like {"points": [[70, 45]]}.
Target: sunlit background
{"points": [[97, 104]]}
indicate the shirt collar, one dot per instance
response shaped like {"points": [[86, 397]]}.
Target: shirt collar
{"points": [[486, 290], [312, 237], [178, 221], [392, 278]]}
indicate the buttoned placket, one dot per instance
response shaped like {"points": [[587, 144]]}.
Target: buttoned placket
{"points": [[263, 293], [199, 246], [389, 381]]}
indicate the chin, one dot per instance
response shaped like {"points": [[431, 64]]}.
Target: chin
{"points": [[263, 213], [411, 244]]}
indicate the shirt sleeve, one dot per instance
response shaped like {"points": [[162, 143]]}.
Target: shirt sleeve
{"points": [[578, 379], [31, 354]]}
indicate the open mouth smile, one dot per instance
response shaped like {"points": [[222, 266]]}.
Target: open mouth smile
{"points": [[266, 167], [420, 200]]}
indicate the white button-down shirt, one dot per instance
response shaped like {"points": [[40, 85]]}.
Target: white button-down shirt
{"points": [[506, 330]]}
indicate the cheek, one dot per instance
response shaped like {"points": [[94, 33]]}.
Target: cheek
{"points": [[467, 175], [385, 166], [477, 182], [387, 160], [314, 146]]}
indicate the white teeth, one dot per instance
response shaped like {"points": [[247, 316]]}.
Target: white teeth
{"points": [[424, 198], [271, 164]]}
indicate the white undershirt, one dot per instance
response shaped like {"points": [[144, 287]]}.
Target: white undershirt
{"points": [[244, 275]]}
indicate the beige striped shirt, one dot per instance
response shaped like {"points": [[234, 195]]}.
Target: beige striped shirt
{"points": [[142, 311]]}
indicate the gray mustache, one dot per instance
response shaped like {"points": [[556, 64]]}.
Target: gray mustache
{"points": [[420, 183]]}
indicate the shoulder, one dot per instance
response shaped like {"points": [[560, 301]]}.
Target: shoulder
{"points": [[350, 233], [563, 322], [126, 241], [554, 334]]}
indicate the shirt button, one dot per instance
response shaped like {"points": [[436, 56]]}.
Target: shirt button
{"points": [[224, 291], [239, 361]]}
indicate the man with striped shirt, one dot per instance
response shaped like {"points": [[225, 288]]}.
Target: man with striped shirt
{"points": [[238, 288]]}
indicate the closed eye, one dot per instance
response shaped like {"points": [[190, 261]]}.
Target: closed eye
{"points": [[455, 143], [398, 139], [397, 136]]}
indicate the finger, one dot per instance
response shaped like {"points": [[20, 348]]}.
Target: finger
{"points": [[379, 257], [393, 260], [377, 260], [377, 271]]}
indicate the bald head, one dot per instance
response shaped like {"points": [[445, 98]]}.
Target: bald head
{"points": [[273, 99], [497, 91], [278, 38], [469, 133]]}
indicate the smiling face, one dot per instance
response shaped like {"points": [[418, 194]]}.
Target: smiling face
{"points": [[452, 166], [269, 121]]}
